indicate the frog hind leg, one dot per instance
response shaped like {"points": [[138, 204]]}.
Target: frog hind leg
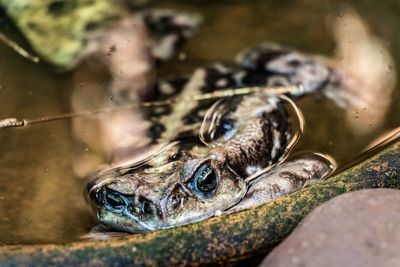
{"points": [[284, 179]]}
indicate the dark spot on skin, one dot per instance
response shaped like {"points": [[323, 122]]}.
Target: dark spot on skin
{"points": [[276, 189], [193, 115], [155, 130], [35, 27], [91, 26], [56, 7], [263, 58], [177, 84], [160, 111], [253, 78], [294, 178], [60, 7], [112, 50], [213, 75], [162, 26], [294, 63], [191, 119]]}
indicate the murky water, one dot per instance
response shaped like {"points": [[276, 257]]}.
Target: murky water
{"points": [[43, 167]]}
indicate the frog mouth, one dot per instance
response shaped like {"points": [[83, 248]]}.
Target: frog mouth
{"points": [[125, 222], [119, 210]]}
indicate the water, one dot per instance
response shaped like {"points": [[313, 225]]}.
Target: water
{"points": [[44, 167]]}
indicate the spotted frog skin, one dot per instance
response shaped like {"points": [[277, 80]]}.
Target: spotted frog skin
{"points": [[218, 156]]}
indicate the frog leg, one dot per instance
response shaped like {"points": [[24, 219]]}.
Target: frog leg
{"points": [[284, 179]]}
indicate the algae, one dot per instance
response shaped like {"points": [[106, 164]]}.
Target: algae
{"points": [[57, 29]]}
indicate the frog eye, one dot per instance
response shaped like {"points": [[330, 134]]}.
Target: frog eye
{"points": [[204, 180], [114, 200]]}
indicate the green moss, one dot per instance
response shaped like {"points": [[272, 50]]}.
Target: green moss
{"points": [[56, 29]]}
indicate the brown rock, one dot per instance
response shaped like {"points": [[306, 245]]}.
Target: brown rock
{"points": [[355, 229]]}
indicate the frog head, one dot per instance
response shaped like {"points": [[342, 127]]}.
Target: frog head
{"points": [[148, 198]]}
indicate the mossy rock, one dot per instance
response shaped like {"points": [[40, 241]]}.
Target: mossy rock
{"points": [[57, 29]]}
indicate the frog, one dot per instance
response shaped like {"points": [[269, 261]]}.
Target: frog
{"points": [[217, 156]]}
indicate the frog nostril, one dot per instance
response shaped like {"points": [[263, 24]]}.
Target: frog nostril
{"points": [[142, 207], [94, 195], [97, 196], [147, 207]]}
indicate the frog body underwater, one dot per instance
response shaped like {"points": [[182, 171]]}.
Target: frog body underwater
{"points": [[219, 155]]}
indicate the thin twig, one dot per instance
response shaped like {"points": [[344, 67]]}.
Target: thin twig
{"points": [[22, 52], [13, 122]]}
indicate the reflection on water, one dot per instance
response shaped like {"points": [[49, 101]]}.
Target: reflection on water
{"points": [[369, 69], [44, 167]]}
